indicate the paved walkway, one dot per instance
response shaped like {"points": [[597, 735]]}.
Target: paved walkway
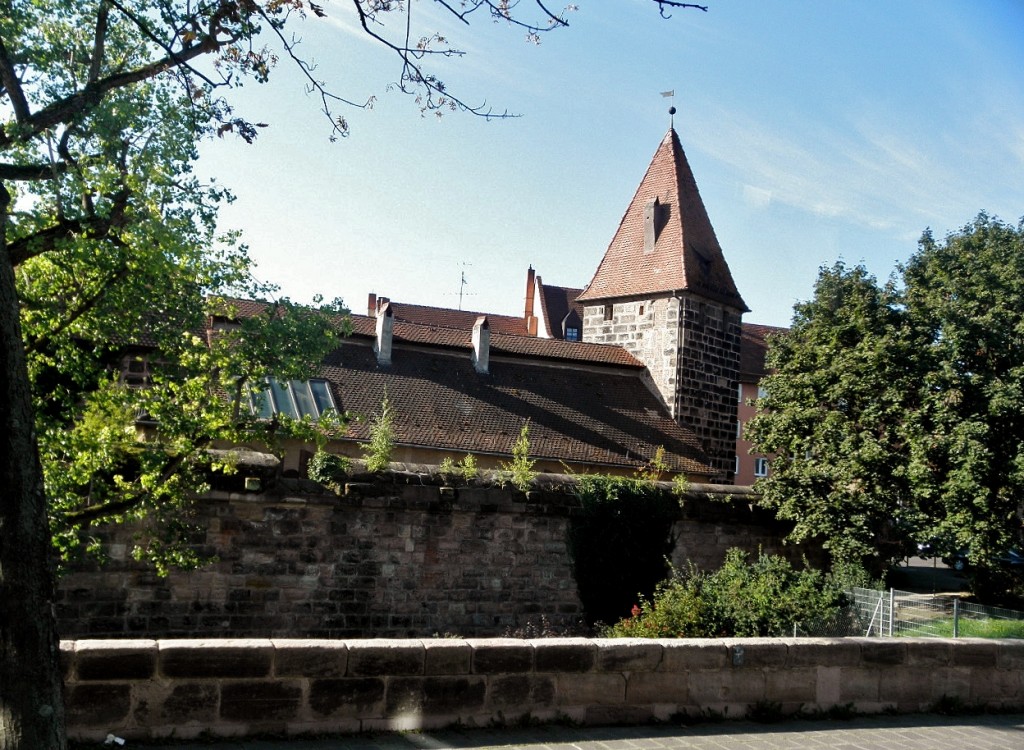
{"points": [[867, 733]]}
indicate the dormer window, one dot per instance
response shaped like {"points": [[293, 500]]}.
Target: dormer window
{"points": [[296, 398], [572, 333]]}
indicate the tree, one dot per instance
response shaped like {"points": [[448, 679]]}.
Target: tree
{"points": [[107, 239], [965, 299], [894, 411]]}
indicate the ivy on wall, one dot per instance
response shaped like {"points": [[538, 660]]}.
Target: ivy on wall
{"points": [[620, 540]]}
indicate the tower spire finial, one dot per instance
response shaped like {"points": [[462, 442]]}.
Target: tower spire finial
{"points": [[671, 110]]}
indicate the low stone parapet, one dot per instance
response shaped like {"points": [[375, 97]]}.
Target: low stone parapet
{"points": [[183, 688]]}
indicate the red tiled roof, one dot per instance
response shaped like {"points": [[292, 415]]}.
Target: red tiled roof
{"points": [[550, 349], [557, 302], [443, 317], [686, 254], [753, 349], [576, 415]]}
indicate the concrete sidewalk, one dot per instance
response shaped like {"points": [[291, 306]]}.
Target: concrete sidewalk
{"points": [[918, 732]]}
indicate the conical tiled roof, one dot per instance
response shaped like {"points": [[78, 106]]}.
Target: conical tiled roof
{"points": [[686, 255]]}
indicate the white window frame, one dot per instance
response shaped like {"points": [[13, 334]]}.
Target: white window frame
{"points": [[760, 466]]}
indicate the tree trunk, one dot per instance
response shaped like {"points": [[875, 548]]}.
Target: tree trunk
{"points": [[31, 686]]}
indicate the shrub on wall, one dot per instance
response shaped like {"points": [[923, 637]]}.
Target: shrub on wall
{"points": [[619, 540], [766, 597]]}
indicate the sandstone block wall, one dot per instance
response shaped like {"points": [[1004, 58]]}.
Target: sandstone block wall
{"points": [[149, 689], [385, 560]]}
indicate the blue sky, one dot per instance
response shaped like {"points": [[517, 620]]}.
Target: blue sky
{"points": [[817, 131]]}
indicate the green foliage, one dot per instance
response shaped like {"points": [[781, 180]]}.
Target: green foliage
{"points": [[653, 470], [466, 468], [519, 471], [329, 469], [619, 541], [894, 410], [680, 484], [766, 597], [377, 451]]}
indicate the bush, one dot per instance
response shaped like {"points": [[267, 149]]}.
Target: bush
{"points": [[767, 597]]}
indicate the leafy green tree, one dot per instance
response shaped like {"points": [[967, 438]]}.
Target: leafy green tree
{"points": [[834, 419], [894, 411], [965, 299]]}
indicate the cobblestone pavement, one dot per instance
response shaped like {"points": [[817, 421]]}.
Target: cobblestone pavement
{"points": [[866, 733]]}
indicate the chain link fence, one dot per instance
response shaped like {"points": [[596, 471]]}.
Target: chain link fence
{"points": [[871, 612]]}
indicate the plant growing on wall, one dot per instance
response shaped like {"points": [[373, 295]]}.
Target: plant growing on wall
{"points": [[382, 438], [328, 469], [519, 470]]}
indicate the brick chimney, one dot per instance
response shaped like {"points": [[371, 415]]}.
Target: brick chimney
{"points": [[531, 291], [371, 305], [385, 328], [481, 345]]}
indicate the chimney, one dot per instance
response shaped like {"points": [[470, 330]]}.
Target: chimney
{"points": [[481, 345], [371, 305], [385, 327], [650, 225], [531, 292]]}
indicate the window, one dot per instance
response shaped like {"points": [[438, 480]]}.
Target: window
{"points": [[608, 310], [739, 393], [296, 398], [572, 333], [736, 470], [760, 467], [135, 372], [641, 310], [739, 429], [761, 392]]}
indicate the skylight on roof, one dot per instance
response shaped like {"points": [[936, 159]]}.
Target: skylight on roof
{"points": [[296, 398]]}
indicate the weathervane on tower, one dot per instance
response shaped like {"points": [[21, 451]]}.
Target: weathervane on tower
{"points": [[672, 109]]}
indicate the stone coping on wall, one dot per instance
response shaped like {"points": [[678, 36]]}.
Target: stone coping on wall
{"points": [[185, 688]]}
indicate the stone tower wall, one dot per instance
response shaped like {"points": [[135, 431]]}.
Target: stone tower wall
{"points": [[649, 330], [708, 374], [691, 347]]}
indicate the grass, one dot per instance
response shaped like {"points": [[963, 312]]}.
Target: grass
{"points": [[969, 628]]}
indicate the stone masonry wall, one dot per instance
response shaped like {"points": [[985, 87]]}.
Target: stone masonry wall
{"points": [[384, 560], [148, 689], [708, 375], [649, 330], [691, 348]]}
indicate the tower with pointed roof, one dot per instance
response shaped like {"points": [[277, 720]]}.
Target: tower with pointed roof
{"points": [[664, 292]]}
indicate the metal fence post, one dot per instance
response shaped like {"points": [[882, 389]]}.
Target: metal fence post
{"points": [[892, 609], [956, 617]]}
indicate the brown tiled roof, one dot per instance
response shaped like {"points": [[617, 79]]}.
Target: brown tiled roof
{"points": [[753, 349], [556, 302], [443, 317], [686, 255], [576, 415], [571, 352]]}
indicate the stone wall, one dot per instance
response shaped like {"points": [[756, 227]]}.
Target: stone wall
{"points": [[691, 347], [149, 689], [709, 361], [383, 560]]}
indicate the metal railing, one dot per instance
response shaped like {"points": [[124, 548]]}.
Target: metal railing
{"points": [[871, 612]]}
